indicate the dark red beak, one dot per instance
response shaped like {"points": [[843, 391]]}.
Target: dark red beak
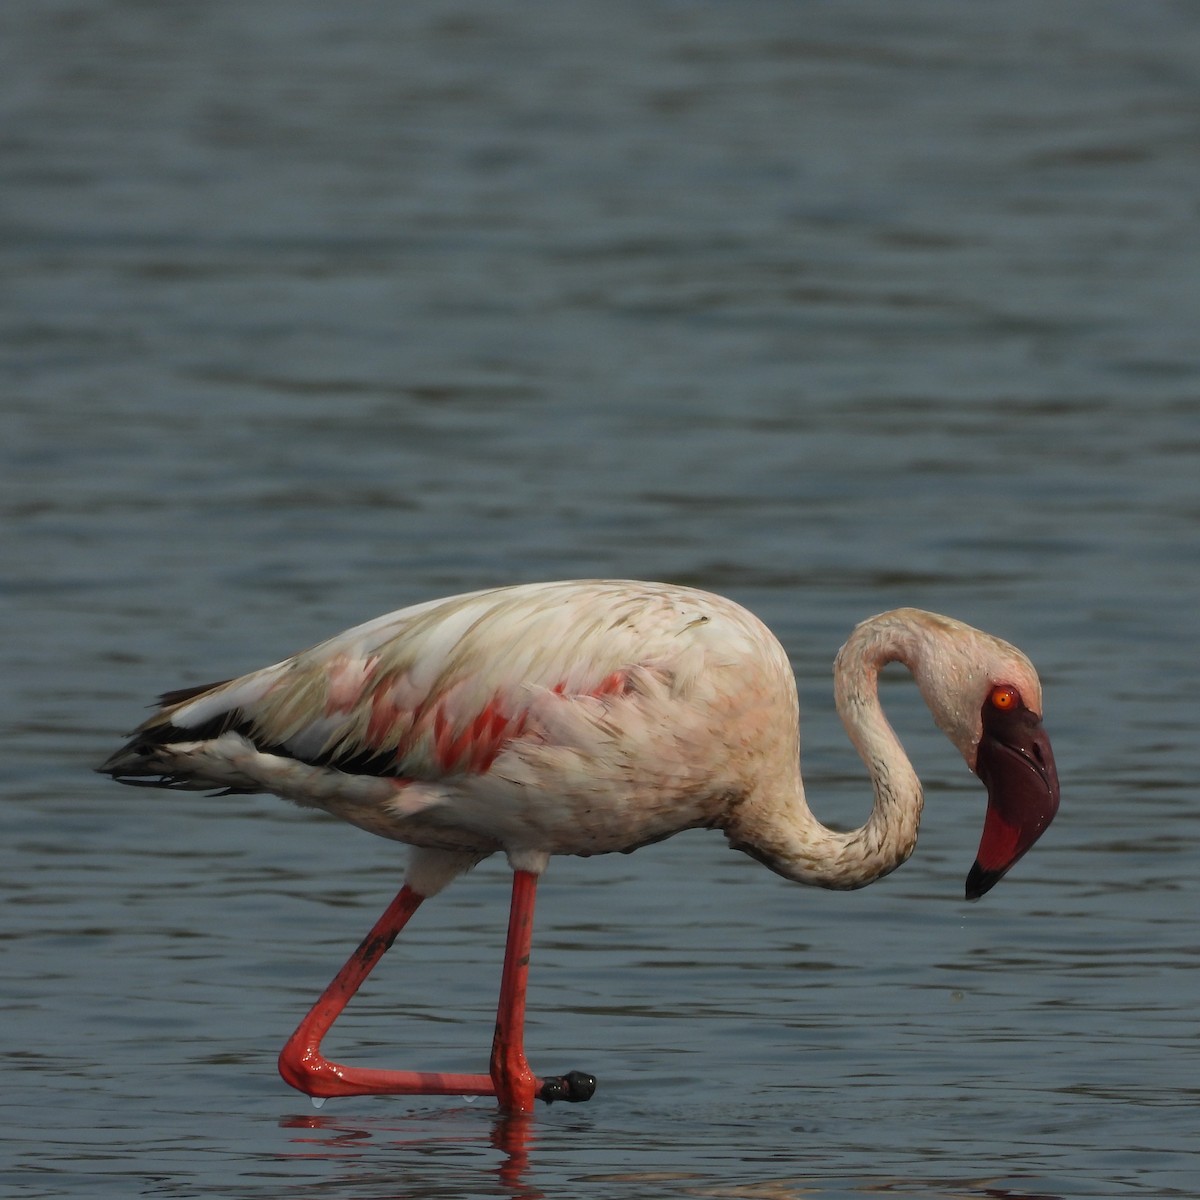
{"points": [[1016, 765]]}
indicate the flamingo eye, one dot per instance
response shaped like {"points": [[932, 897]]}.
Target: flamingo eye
{"points": [[1005, 697]]}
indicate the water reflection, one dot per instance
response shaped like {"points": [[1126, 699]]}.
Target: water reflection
{"points": [[430, 1150], [423, 1138]]}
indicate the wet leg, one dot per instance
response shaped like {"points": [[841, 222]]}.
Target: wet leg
{"points": [[515, 1083], [301, 1062]]}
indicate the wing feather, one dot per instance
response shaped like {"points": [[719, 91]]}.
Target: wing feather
{"points": [[443, 688]]}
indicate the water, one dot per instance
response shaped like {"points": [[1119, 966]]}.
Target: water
{"points": [[312, 311]]}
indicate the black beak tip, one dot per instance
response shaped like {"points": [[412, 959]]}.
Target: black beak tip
{"points": [[980, 882]]}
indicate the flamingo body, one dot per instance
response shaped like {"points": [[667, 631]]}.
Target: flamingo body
{"points": [[574, 718], [585, 717]]}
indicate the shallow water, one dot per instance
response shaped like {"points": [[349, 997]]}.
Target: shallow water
{"points": [[311, 312]]}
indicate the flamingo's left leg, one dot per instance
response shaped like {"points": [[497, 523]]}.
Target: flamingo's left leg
{"points": [[301, 1062]]}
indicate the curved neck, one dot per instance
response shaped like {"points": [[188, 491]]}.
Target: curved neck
{"points": [[784, 835]]}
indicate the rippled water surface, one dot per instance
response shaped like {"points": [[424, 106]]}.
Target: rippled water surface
{"points": [[311, 311]]}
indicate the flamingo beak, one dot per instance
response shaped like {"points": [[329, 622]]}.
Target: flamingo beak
{"points": [[1016, 765]]}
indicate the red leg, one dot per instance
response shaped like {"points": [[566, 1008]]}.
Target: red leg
{"points": [[514, 1085], [301, 1062]]}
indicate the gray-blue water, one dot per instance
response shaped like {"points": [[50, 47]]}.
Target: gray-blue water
{"points": [[310, 311]]}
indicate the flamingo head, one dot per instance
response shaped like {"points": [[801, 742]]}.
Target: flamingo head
{"points": [[1016, 764], [986, 697]]}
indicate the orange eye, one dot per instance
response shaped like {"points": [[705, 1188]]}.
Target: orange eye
{"points": [[1005, 697]]}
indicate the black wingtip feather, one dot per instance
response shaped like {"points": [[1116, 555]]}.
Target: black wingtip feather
{"points": [[179, 695]]}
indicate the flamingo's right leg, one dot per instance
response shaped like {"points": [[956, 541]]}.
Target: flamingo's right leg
{"points": [[516, 1085]]}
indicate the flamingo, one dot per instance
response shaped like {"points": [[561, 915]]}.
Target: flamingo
{"points": [[584, 717]]}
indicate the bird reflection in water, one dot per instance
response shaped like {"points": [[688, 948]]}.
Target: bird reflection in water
{"points": [[424, 1137]]}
